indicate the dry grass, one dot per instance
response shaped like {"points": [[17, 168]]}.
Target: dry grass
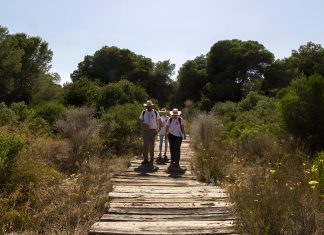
{"points": [[49, 202], [268, 183]]}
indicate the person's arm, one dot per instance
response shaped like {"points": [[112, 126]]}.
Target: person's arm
{"points": [[183, 131]]}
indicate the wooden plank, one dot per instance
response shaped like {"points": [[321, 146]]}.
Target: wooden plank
{"points": [[170, 211], [193, 204], [173, 217], [163, 227], [194, 195]]}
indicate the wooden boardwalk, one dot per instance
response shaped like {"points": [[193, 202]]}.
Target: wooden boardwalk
{"points": [[165, 201]]}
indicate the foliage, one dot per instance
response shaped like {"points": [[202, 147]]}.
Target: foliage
{"points": [[10, 146], [120, 93], [50, 111], [221, 108], [120, 128], [302, 110], [23, 60], [7, 116], [278, 75], [231, 64], [112, 64], [191, 79], [21, 110], [309, 59], [82, 92], [78, 127]]}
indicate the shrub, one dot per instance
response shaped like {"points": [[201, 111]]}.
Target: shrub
{"points": [[120, 128], [7, 116], [78, 127], [221, 108], [120, 93], [250, 101], [211, 157], [204, 130], [276, 199], [302, 109], [51, 111], [21, 110], [10, 146]]}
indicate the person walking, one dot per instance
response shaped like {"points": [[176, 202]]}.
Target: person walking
{"points": [[175, 131], [150, 125], [163, 138]]}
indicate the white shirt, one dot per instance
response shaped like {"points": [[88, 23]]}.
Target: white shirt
{"points": [[150, 118], [175, 128], [164, 120]]}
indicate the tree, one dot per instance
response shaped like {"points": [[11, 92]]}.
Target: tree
{"points": [[23, 59], [302, 110], [112, 64], [160, 83], [278, 75], [309, 59], [232, 63], [191, 79]]}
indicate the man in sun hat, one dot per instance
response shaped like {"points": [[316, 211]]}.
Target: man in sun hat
{"points": [[150, 124], [175, 131]]}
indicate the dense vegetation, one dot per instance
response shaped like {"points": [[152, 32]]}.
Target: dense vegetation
{"points": [[257, 128]]}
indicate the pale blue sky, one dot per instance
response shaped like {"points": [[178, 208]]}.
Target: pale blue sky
{"points": [[162, 29]]}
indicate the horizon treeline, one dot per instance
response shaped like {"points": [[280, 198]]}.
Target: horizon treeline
{"points": [[229, 71]]}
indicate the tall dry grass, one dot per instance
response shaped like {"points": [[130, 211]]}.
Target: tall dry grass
{"points": [[270, 183]]}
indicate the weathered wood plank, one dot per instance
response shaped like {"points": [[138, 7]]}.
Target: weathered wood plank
{"points": [[193, 204], [174, 217], [164, 227], [170, 211], [193, 195]]}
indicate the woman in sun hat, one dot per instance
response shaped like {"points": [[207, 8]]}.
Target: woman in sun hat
{"points": [[175, 131], [164, 121]]}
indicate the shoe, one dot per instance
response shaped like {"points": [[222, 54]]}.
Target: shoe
{"points": [[165, 158], [145, 162]]}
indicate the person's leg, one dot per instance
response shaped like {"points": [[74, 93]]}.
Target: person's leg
{"points": [[171, 144], [145, 144], [151, 144], [165, 146], [177, 151], [161, 144]]}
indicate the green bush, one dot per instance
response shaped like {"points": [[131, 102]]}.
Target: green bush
{"points": [[7, 116], [81, 92], [250, 101], [221, 108], [120, 93], [21, 110], [50, 111], [119, 126], [10, 146], [302, 109]]}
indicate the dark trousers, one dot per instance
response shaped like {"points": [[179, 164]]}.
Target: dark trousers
{"points": [[175, 144]]}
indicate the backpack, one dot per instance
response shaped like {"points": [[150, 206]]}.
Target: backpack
{"points": [[179, 120], [144, 113]]}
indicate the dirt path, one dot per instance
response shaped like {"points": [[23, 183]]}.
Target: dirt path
{"points": [[160, 201]]}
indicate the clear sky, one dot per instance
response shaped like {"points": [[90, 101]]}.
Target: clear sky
{"points": [[162, 29]]}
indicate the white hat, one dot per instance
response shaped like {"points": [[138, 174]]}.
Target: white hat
{"points": [[149, 103], [175, 112]]}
